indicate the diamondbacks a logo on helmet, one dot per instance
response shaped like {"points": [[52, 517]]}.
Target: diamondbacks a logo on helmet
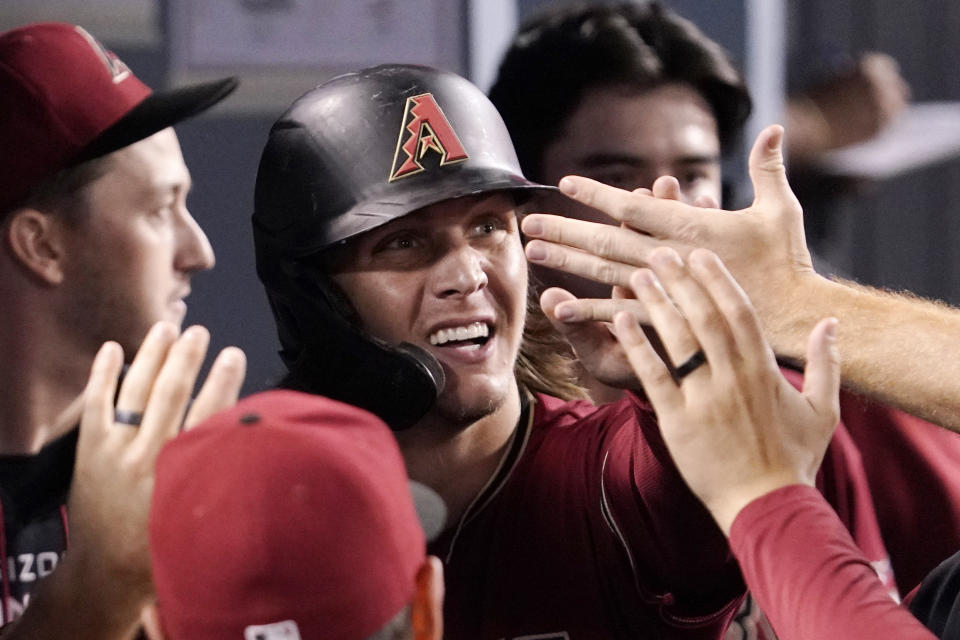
{"points": [[424, 128], [117, 68]]}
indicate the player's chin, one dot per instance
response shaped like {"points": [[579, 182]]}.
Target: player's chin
{"points": [[467, 400], [176, 312]]}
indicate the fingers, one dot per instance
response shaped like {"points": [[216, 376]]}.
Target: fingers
{"points": [[658, 217], [700, 306], [706, 201], [171, 391], [137, 384], [821, 377], [734, 306], [667, 187], [578, 263], [100, 390], [653, 373], [600, 252], [767, 171], [583, 336], [599, 309], [221, 388], [666, 319]]}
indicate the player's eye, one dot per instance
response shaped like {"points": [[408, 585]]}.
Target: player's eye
{"points": [[693, 176], [628, 180], [488, 226], [403, 241]]}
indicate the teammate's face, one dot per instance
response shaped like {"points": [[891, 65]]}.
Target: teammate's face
{"points": [[450, 278], [628, 139], [134, 246]]}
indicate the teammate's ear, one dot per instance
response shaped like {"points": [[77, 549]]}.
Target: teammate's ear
{"points": [[35, 240], [426, 614]]}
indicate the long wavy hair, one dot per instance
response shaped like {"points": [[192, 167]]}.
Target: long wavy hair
{"points": [[545, 363]]}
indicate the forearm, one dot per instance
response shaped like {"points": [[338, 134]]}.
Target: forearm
{"points": [[898, 349], [807, 574]]}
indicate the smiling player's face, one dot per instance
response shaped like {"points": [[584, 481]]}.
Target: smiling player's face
{"points": [[452, 279]]}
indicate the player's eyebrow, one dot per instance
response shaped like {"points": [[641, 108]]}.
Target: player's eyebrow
{"points": [[705, 158], [601, 159]]}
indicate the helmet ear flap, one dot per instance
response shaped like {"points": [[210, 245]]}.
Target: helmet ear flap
{"points": [[328, 353]]}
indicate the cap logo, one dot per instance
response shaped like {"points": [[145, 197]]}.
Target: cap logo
{"points": [[424, 128], [285, 630], [115, 66]]}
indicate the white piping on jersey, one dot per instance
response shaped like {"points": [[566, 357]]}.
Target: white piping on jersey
{"points": [[475, 507], [612, 524]]}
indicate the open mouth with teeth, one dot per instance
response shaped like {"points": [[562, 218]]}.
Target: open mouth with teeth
{"points": [[475, 334]]}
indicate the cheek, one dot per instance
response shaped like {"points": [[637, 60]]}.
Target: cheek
{"points": [[134, 252], [516, 275], [370, 294]]}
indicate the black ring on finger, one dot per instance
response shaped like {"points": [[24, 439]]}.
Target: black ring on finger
{"points": [[690, 365], [131, 418]]}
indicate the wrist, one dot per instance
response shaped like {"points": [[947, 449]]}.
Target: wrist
{"points": [[728, 506], [803, 300]]}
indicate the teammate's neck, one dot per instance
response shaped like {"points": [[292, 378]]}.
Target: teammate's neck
{"points": [[38, 382]]}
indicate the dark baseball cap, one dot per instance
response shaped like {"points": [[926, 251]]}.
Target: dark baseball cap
{"points": [[66, 99]]}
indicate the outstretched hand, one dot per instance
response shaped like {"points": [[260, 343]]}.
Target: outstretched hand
{"points": [[734, 426], [105, 578], [113, 478], [763, 246]]}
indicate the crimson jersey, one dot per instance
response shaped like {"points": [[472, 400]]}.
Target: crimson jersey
{"points": [[587, 531], [913, 468]]}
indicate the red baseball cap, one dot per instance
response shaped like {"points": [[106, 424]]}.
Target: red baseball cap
{"points": [[288, 516], [65, 99]]}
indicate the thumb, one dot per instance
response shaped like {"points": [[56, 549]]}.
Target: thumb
{"points": [[767, 171], [821, 377]]}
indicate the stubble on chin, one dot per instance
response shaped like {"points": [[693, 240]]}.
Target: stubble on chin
{"points": [[458, 415]]}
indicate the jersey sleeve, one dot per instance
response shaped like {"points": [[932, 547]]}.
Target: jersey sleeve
{"points": [[810, 579]]}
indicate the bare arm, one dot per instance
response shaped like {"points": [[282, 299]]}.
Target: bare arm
{"points": [[894, 347], [102, 584]]}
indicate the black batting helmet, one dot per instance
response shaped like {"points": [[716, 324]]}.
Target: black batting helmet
{"points": [[353, 154]]}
